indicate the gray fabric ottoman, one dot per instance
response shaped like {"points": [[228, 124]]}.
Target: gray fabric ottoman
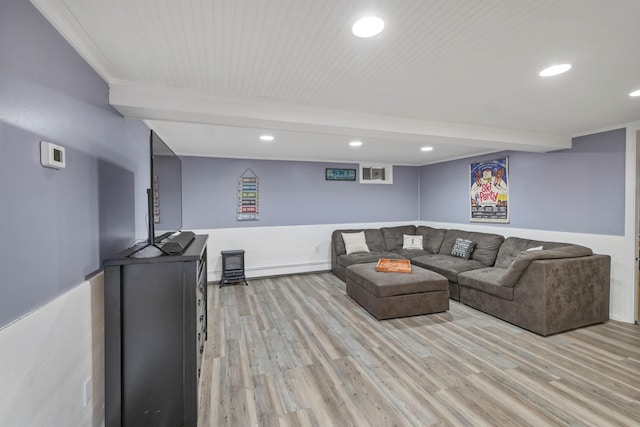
{"points": [[391, 295]]}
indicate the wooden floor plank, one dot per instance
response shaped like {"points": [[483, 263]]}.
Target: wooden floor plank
{"points": [[297, 351]]}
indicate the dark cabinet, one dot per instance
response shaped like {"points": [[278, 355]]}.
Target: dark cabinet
{"points": [[155, 329]]}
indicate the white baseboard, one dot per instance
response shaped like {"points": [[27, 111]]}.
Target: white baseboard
{"points": [[275, 270]]}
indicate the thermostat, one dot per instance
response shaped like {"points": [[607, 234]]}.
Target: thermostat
{"points": [[52, 155]]}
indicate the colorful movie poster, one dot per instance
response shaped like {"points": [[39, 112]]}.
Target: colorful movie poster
{"points": [[489, 191]]}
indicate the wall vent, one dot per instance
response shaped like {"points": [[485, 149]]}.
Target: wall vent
{"points": [[376, 174]]}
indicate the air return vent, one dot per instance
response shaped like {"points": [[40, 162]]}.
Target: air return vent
{"points": [[376, 174]]}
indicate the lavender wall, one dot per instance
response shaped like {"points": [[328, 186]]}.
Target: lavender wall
{"points": [[578, 190], [57, 225], [292, 193]]}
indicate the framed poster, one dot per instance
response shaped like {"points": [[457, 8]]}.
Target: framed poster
{"points": [[334, 174], [489, 191]]}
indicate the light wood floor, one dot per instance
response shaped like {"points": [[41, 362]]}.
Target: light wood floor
{"points": [[297, 351]]}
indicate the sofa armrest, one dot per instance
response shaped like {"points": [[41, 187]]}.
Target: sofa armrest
{"points": [[524, 258], [335, 251], [556, 295]]}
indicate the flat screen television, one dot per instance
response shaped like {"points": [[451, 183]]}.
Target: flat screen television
{"points": [[165, 192]]}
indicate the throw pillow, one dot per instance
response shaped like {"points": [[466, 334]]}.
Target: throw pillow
{"points": [[463, 248], [537, 248], [411, 242], [355, 242]]}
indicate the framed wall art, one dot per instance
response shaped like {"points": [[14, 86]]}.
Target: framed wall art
{"points": [[489, 191], [248, 196], [335, 174]]}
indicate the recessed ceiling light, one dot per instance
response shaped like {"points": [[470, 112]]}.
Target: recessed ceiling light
{"points": [[554, 70], [368, 26], [426, 149], [266, 138], [635, 93], [355, 143]]}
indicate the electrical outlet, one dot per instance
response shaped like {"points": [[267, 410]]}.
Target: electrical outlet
{"points": [[87, 391]]}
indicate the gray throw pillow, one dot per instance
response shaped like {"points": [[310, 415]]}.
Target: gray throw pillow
{"points": [[463, 248]]}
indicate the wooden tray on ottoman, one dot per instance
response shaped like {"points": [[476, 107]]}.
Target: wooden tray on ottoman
{"points": [[393, 265]]}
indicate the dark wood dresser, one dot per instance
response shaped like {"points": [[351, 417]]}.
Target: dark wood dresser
{"points": [[155, 329]]}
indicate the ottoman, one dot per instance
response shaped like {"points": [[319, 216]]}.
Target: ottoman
{"points": [[391, 295]]}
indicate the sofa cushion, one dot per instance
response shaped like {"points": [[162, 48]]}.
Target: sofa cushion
{"points": [[524, 258], [384, 285], [412, 241], [410, 253], [487, 245], [393, 236], [463, 248], [362, 257], [431, 238], [354, 242], [373, 236], [512, 247], [447, 265], [487, 280]]}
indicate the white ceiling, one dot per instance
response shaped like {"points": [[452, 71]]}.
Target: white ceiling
{"points": [[459, 75]]}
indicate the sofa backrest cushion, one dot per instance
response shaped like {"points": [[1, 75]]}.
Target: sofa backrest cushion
{"points": [[486, 249], [432, 238], [393, 236], [513, 246], [373, 236], [524, 258]]}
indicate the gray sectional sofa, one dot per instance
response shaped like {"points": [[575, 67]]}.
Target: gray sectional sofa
{"points": [[557, 288]]}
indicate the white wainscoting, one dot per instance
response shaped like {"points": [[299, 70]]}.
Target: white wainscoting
{"points": [[273, 251], [46, 357]]}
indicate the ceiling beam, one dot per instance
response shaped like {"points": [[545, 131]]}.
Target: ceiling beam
{"points": [[171, 104]]}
